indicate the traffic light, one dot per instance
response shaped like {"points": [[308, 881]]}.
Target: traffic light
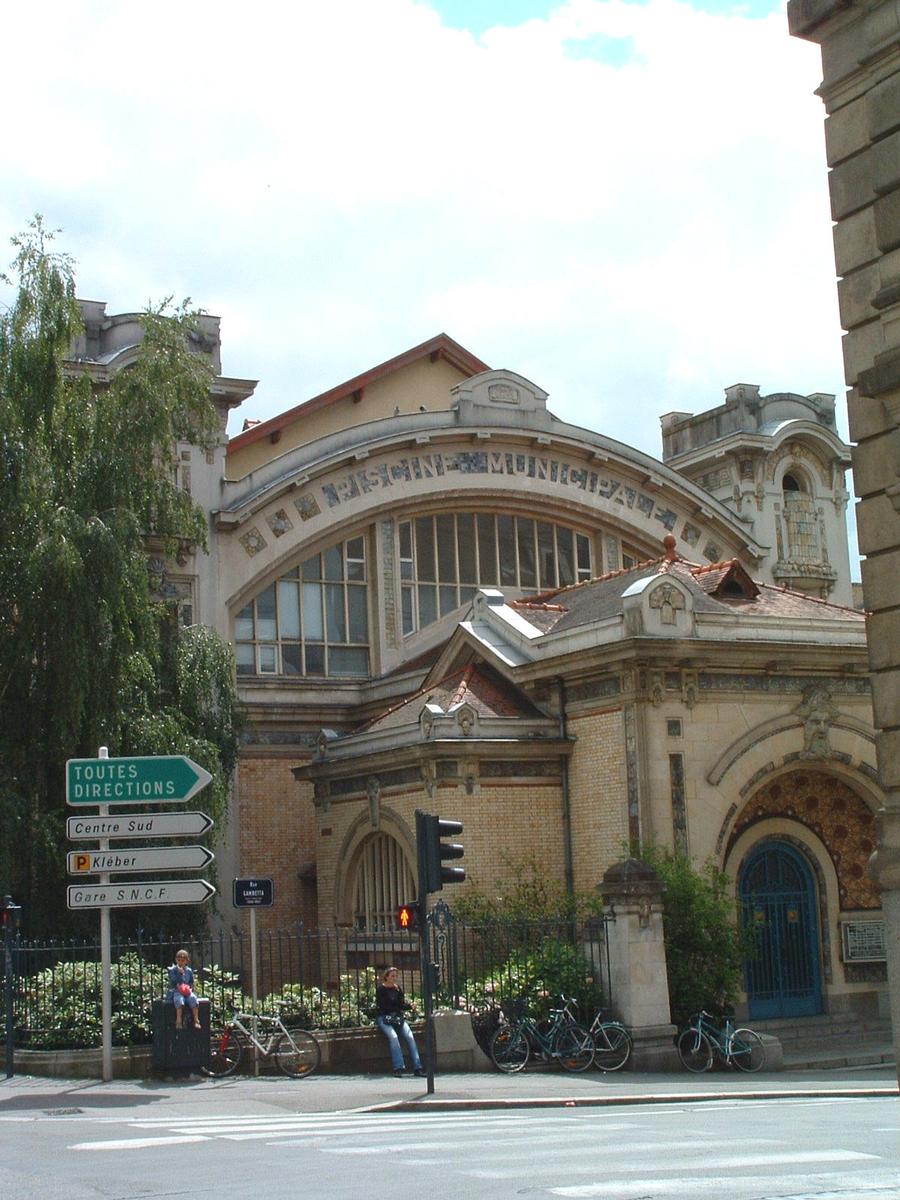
{"points": [[435, 851], [408, 916], [10, 912]]}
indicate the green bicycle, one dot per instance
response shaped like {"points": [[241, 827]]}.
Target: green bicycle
{"points": [[560, 1040], [741, 1048]]}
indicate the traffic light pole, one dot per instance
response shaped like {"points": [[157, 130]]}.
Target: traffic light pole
{"points": [[425, 971]]}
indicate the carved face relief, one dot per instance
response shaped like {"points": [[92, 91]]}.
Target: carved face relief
{"points": [[818, 713]]}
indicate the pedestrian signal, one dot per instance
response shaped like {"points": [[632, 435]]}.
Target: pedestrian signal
{"points": [[408, 916]]}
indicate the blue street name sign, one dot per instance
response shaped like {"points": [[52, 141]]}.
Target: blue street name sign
{"points": [[253, 893]]}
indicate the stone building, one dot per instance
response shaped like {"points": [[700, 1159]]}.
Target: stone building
{"points": [[860, 42], [441, 596]]}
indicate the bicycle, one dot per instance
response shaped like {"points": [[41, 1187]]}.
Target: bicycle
{"points": [[612, 1043], [296, 1051], [564, 1040], [741, 1048]]}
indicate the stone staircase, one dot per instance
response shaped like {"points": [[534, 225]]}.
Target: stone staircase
{"points": [[831, 1041]]}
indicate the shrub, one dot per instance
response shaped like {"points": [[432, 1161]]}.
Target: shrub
{"points": [[705, 946]]}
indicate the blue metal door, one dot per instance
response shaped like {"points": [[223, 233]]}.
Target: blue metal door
{"points": [[779, 906]]}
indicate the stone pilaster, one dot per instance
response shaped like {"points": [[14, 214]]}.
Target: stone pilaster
{"points": [[633, 897]]}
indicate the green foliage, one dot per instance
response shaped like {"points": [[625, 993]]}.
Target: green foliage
{"points": [[87, 475], [705, 947], [538, 977], [525, 894]]}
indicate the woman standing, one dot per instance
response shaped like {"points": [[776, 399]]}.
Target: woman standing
{"points": [[391, 1005]]}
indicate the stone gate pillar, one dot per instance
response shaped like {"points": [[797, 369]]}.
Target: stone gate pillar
{"points": [[633, 897]]}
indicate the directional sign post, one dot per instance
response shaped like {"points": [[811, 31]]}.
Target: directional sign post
{"points": [[137, 895], [104, 781], [138, 825], [156, 858], [162, 779]]}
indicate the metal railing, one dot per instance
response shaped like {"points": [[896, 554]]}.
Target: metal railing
{"points": [[325, 977]]}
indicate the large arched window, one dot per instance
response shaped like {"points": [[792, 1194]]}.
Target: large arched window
{"points": [[445, 558], [384, 881], [800, 518], [312, 621]]}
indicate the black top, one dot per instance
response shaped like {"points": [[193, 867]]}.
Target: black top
{"points": [[390, 1000]]}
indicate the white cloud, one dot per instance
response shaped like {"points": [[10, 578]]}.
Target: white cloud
{"points": [[341, 181]]}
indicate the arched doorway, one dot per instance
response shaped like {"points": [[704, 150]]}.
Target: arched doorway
{"points": [[778, 899]]}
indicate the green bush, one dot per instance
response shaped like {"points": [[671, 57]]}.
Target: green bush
{"points": [[705, 946]]}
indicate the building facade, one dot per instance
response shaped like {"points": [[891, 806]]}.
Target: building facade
{"points": [[861, 92], [441, 596]]}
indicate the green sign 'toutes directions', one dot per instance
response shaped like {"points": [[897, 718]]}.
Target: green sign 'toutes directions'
{"points": [[158, 779]]}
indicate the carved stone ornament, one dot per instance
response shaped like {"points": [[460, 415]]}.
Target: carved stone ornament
{"points": [[466, 718], [429, 777], [307, 506], [253, 541], [373, 794], [690, 688], [669, 601], [818, 713], [280, 523], [321, 795], [657, 688]]}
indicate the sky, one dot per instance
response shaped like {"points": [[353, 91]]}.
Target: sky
{"points": [[625, 202]]}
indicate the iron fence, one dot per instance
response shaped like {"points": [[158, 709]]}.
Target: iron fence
{"points": [[324, 978]]}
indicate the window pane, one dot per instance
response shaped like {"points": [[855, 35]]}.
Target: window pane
{"points": [[427, 605], [446, 547], [334, 607], [546, 556], [265, 615], [405, 539], [356, 610], [334, 564], [565, 556], [312, 568], [243, 625], [356, 559], [267, 660], [355, 548], [348, 661], [407, 600], [313, 628], [291, 660], [288, 609], [424, 548], [583, 547], [465, 541], [487, 551], [466, 594], [506, 538], [246, 659], [448, 600], [315, 659], [525, 536]]}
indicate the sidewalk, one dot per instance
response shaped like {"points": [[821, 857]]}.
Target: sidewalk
{"points": [[488, 1090]]}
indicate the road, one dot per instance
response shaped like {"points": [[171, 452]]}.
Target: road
{"points": [[787, 1148]]}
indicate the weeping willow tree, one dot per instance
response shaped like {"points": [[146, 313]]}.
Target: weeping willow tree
{"points": [[87, 658]]}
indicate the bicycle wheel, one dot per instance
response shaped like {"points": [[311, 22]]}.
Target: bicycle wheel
{"points": [[574, 1047], [297, 1053], [695, 1050], [612, 1047], [510, 1048], [748, 1051], [225, 1050]]}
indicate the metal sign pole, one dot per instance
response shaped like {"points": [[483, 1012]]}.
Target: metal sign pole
{"points": [[424, 950], [105, 959], [8, 988], [253, 986]]}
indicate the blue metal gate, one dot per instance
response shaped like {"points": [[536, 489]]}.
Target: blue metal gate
{"points": [[779, 905]]}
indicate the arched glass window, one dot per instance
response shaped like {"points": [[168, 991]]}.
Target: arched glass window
{"points": [[445, 558], [312, 621], [801, 518], [384, 881]]}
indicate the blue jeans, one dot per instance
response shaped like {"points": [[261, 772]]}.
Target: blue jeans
{"points": [[394, 1043]]}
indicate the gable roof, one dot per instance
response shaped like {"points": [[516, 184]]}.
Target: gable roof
{"points": [[601, 598], [437, 347], [476, 685]]}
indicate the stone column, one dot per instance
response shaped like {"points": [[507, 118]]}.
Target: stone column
{"points": [[639, 992], [860, 42]]}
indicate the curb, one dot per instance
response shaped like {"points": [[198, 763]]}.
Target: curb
{"points": [[419, 1106]]}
